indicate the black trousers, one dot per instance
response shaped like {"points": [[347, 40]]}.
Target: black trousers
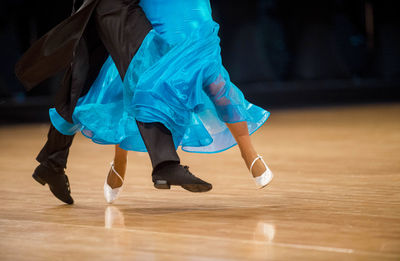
{"points": [[159, 143], [156, 137], [119, 24], [55, 152]]}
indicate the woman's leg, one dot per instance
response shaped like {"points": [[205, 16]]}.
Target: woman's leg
{"points": [[241, 134], [120, 161], [222, 99]]}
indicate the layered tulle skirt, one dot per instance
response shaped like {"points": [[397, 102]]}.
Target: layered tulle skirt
{"points": [[183, 86]]}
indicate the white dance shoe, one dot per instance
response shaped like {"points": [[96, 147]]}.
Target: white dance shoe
{"points": [[112, 194], [265, 178]]}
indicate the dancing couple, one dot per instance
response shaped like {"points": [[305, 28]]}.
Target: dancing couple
{"points": [[146, 76]]}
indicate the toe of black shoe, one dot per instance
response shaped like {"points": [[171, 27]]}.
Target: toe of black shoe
{"points": [[64, 197]]}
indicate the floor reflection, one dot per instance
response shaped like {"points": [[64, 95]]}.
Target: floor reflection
{"points": [[223, 224], [113, 218], [227, 221], [264, 231]]}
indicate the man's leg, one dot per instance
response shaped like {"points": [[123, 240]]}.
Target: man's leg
{"points": [[159, 144], [167, 170], [55, 152], [53, 160], [122, 32]]}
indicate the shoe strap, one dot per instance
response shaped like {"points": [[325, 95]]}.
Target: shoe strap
{"points": [[116, 173], [254, 161]]}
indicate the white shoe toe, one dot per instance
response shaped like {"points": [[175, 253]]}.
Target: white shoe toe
{"points": [[111, 194], [265, 178]]}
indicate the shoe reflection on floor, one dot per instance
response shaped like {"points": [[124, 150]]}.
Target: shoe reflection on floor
{"points": [[113, 218], [264, 231]]}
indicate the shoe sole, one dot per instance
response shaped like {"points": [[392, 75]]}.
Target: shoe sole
{"points": [[163, 184], [197, 187]]}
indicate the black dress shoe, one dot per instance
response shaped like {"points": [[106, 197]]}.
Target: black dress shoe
{"points": [[57, 181], [179, 175]]}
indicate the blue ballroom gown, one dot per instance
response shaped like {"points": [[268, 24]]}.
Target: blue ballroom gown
{"points": [[176, 78]]}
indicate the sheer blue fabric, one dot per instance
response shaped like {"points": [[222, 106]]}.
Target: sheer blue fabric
{"points": [[176, 78]]}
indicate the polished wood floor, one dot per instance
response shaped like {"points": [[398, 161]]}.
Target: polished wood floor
{"points": [[335, 196]]}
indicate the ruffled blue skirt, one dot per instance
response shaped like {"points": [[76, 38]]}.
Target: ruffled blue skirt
{"points": [[183, 86]]}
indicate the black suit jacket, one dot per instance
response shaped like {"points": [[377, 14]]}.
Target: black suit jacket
{"points": [[55, 50], [80, 46]]}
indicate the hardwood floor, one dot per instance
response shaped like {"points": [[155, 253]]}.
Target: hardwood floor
{"points": [[335, 196]]}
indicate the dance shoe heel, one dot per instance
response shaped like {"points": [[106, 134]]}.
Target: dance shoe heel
{"points": [[161, 184], [111, 194], [264, 179]]}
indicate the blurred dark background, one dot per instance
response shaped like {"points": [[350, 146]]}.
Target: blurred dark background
{"points": [[281, 53]]}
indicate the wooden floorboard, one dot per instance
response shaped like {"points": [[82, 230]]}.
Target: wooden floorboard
{"points": [[335, 196]]}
